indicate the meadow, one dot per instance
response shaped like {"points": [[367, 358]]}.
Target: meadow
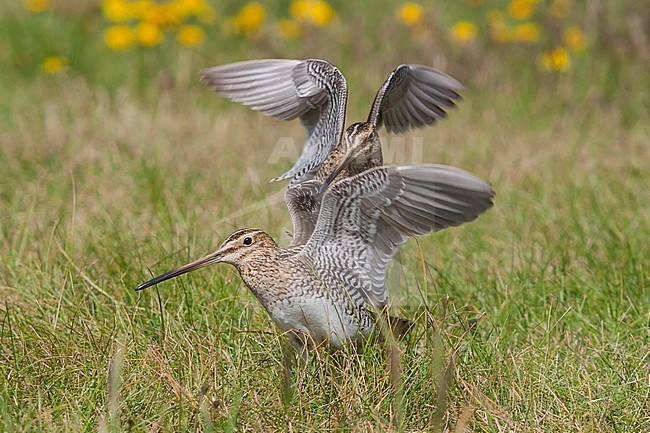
{"points": [[117, 164]]}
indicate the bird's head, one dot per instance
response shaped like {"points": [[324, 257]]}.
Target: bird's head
{"points": [[239, 248], [362, 143], [360, 136]]}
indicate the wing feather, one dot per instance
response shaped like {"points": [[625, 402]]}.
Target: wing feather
{"points": [[303, 201], [313, 90], [363, 220], [413, 96]]}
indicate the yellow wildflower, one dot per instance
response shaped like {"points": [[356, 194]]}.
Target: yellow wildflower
{"points": [[250, 18], [289, 29], [139, 8], [317, 12], [148, 34], [190, 35], [499, 31], [574, 38], [556, 60], [189, 7], [527, 32], [37, 5], [161, 15], [560, 8], [464, 31], [410, 13], [181, 9], [118, 10], [54, 65], [119, 37], [298, 9], [321, 13], [521, 9]]}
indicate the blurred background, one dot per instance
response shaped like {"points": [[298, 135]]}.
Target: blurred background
{"points": [[117, 163], [149, 47], [101, 83]]}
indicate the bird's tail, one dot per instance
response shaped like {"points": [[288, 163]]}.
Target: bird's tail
{"points": [[400, 326]]}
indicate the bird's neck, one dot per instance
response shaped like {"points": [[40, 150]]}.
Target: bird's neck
{"points": [[367, 158], [262, 273], [332, 161]]}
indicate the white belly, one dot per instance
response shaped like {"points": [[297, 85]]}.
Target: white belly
{"points": [[319, 318]]}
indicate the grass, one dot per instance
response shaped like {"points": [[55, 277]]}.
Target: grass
{"points": [[536, 315]]}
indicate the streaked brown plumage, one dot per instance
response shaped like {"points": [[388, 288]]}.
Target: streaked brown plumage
{"points": [[325, 290], [359, 151]]}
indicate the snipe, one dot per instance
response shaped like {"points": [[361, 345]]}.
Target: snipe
{"points": [[316, 92], [325, 291]]}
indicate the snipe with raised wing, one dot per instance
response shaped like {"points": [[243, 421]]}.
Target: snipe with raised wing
{"points": [[315, 91], [325, 291]]}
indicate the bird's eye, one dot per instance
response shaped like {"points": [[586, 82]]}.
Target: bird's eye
{"points": [[248, 241]]}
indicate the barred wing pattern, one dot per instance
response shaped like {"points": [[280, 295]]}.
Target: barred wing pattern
{"points": [[364, 218], [413, 96], [313, 90], [303, 201]]}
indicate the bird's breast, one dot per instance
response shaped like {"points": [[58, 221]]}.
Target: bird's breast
{"points": [[296, 299]]}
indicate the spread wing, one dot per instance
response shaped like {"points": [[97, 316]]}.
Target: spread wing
{"points": [[313, 90], [364, 218], [303, 201], [414, 96]]}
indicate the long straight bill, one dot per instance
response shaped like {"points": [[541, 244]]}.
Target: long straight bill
{"points": [[348, 158], [198, 264]]}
